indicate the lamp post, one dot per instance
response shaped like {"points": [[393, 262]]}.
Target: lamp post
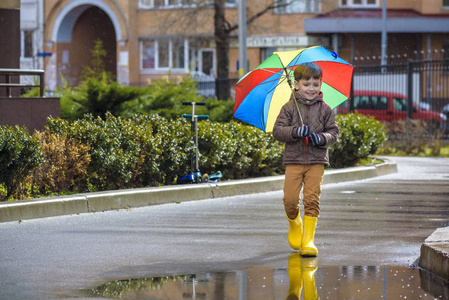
{"points": [[243, 65], [384, 34]]}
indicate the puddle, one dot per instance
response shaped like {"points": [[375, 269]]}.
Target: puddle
{"points": [[303, 279]]}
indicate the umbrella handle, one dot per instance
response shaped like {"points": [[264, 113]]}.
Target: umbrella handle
{"points": [[306, 139], [297, 107], [293, 93]]}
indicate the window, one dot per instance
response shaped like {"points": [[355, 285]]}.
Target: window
{"points": [[266, 52], [27, 44], [446, 57], [400, 104], [297, 6], [164, 54], [361, 102], [359, 3], [159, 3], [446, 3], [148, 4], [148, 55], [378, 103], [370, 102], [178, 54]]}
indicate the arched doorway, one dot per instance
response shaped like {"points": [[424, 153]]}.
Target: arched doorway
{"points": [[74, 54]]}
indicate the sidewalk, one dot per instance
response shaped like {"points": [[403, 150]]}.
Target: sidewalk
{"points": [[125, 199], [434, 251]]}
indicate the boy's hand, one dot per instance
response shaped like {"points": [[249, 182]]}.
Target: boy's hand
{"points": [[303, 131], [315, 139]]}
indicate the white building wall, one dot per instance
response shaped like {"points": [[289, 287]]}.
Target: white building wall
{"points": [[31, 22]]}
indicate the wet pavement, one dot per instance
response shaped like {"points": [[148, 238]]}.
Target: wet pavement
{"points": [[369, 234], [326, 282]]}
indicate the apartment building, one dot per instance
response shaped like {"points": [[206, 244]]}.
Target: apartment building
{"points": [[146, 39], [416, 29]]}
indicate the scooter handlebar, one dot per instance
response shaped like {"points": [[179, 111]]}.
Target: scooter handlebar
{"points": [[196, 103]]}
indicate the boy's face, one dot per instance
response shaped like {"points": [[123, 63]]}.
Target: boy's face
{"points": [[308, 88]]}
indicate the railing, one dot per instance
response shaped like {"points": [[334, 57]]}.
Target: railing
{"points": [[9, 73]]}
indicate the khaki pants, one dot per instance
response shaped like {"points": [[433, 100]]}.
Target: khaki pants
{"points": [[297, 176]]}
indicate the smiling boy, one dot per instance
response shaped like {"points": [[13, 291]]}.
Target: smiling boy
{"points": [[305, 153]]}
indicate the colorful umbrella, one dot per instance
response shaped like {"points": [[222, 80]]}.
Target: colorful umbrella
{"points": [[261, 93]]}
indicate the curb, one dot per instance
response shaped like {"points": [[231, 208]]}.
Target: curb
{"points": [[125, 199], [435, 253]]}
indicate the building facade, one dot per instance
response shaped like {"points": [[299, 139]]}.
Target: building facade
{"points": [[147, 39], [416, 30], [32, 54]]}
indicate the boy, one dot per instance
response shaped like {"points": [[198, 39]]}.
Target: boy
{"points": [[305, 153]]}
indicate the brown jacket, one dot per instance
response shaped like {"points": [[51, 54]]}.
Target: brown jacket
{"points": [[315, 114]]}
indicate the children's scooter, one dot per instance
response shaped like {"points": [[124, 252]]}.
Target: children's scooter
{"points": [[195, 175]]}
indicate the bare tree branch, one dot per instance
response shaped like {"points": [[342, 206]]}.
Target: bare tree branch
{"points": [[273, 5]]}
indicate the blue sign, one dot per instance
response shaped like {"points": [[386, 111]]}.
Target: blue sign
{"points": [[43, 54]]}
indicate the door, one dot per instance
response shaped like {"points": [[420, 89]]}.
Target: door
{"points": [[207, 62]]}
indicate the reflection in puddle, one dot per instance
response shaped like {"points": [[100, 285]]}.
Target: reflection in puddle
{"points": [[303, 279]]}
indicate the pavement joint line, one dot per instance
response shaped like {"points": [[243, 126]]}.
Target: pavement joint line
{"points": [[434, 251]]}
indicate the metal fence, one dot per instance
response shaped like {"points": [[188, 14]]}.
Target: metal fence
{"points": [[222, 88], [393, 94], [12, 76], [415, 90]]}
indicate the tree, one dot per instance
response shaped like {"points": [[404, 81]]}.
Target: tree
{"points": [[222, 33], [200, 16], [223, 29], [97, 70]]}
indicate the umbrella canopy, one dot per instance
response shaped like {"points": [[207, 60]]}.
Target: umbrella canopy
{"points": [[261, 93]]}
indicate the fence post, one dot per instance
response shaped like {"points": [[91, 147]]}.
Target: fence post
{"points": [[351, 95], [41, 83], [8, 88], [410, 89]]}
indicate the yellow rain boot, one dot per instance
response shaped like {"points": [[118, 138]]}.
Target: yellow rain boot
{"points": [[309, 265], [294, 277], [295, 232], [308, 247]]}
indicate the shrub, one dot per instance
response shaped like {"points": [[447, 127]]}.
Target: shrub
{"points": [[19, 155], [164, 97], [360, 136], [96, 96], [113, 148], [65, 164], [149, 150], [168, 149], [238, 151], [220, 110]]}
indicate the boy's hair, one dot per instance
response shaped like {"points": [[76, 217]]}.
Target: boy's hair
{"points": [[308, 70]]}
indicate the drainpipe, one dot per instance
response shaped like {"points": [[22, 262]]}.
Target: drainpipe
{"points": [[384, 34], [428, 79], [243, 65], [335, 42]]}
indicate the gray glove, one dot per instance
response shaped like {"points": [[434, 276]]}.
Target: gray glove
{"points": [[303, 131], [315, 139]]}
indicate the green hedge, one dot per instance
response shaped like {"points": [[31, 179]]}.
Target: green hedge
{"points": [[19, 155], [360, 136], [150, 150], [98, 95]]}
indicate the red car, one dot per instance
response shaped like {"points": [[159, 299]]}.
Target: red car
{"points": [[388, 106]]}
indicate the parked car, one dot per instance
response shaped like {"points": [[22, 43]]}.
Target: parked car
{"points": [[389, 106]]}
